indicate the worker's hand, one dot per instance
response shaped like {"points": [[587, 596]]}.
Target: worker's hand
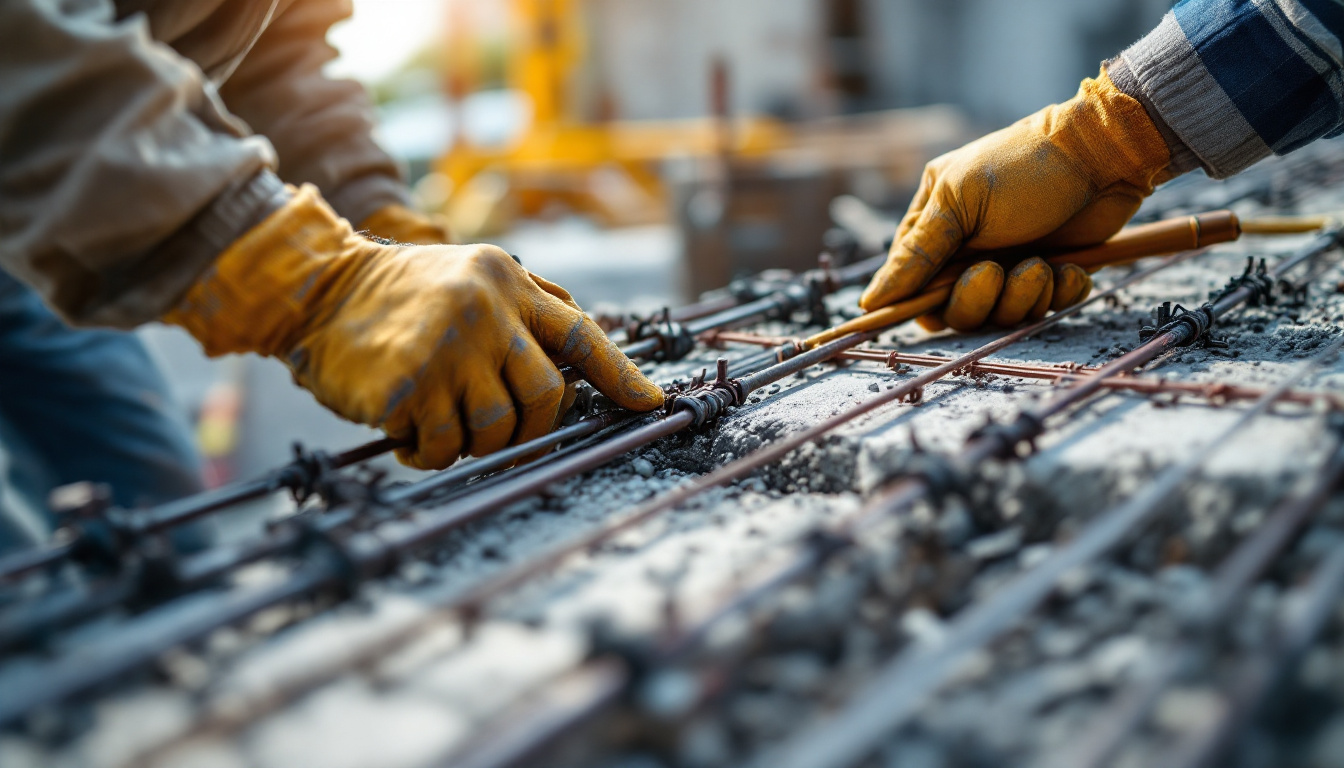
{"points": [[453, 346], [400, 224], [1068, 176], [984, 292], [403, 225]]}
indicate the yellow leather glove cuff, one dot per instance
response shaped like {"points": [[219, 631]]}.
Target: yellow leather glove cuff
{"points": [[403, 225], [263, 291], [1068, 176], [455, 347]]}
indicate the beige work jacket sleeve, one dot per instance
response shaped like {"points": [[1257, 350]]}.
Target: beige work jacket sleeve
{"points": [[122, 175], [321, 127]]}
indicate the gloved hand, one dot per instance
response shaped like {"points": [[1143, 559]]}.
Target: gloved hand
{"points": [[455, 346], [403, 225], [1066, 177]]}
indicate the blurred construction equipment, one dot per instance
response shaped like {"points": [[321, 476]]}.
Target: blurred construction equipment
{"points": [[748, 192]]}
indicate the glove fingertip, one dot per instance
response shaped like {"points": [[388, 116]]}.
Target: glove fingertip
{"points": [[879, 293], [973, 296], [931, 323], [571, 337], [637, 393], [408, 457], [870, 300], [1072, 285]]}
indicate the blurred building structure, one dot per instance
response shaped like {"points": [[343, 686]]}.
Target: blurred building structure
{"points": [[735, 119], [995, 59]]}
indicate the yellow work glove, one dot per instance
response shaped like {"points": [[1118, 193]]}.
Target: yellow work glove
{"points": [[453, 346], [403, 225], [1068, 176]]}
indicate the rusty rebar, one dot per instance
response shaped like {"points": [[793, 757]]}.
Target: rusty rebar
{"points": [[1060, 374], [345, 559], [821, 547], [705, 316], [776, 450]]}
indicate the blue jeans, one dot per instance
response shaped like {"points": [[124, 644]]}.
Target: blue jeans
{"points": [[82, 404]]}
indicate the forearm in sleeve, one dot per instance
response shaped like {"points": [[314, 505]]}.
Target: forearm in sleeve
{"points": [[322, 128], [1231, 81], [121, 174]]}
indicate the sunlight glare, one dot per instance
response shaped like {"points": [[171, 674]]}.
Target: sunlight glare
{"points": [[382, 35]]}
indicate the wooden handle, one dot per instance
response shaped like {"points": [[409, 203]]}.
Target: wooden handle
{"points": [[932, 298], [1283, 225], [1157, 239]]}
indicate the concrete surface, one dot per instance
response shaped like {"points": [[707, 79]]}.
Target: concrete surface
{"points": [[383, 680]]}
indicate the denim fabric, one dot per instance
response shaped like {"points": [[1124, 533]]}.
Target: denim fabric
{"points": [[83, 404]]}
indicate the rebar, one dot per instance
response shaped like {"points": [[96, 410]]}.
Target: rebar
{"points": [[1060, 374], [1106, 733], [471, 604], [1257, 676], [347, 559], [337, 560], [302, 475], [900, 688], [818, 549]]}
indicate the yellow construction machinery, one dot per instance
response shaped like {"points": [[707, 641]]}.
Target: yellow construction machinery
{"points": [[603, 168], [748, 193]]}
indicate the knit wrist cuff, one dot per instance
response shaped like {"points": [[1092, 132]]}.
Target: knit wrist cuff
{"points": [[1170, 79], [1183, 160]]}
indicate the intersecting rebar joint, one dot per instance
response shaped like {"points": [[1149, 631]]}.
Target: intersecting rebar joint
{"points": [[674, 341], [1292, 294], [795, 296], [940, 475], [154, 571], [354, 556], [101, 532], [706, 402], [762, 284], [1196, 323], [304, 473], [746, 289], [1255, 278], [1010, 440], [314, 474], [817, 287]]}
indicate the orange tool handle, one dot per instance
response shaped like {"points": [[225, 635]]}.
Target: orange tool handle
{"points": [[1156, 239]]}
